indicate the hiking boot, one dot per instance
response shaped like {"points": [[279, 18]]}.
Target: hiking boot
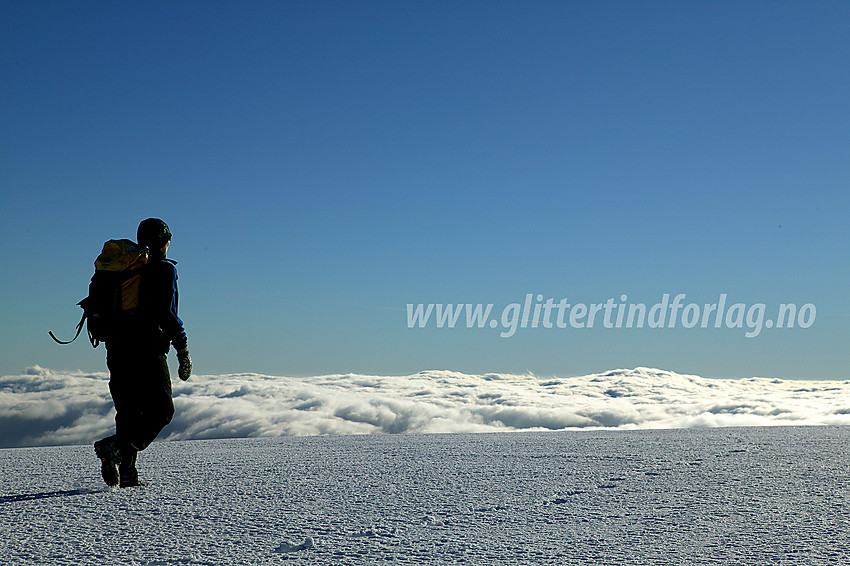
{"points": [[107, 451], [127, 473]]}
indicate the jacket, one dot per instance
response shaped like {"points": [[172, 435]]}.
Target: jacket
{"points": [[157, 324]]}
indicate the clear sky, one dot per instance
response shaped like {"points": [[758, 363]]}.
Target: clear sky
{"points": [[323, 164]]}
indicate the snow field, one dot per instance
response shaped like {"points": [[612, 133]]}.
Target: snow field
{"points": [[773, 495]]}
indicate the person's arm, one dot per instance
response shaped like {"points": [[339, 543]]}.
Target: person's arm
{"points": [[171, 324], [169, 320]]}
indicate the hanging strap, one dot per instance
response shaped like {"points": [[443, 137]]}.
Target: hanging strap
{"points": [[79, 329]]}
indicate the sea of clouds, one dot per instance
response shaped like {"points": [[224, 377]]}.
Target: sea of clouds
{"points": [[44, 407]]}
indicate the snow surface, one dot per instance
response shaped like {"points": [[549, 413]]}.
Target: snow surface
{"points": [[756, 495], [45, 407]]}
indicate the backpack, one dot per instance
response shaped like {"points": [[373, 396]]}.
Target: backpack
{"points": [[113, 291]]}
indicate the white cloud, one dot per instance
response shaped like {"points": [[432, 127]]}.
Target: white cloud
{"points": [[45, 407]]}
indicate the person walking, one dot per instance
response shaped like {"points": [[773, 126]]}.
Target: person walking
{"points": [[139, 380]]}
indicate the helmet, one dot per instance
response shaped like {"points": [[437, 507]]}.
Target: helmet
{"points": [[153, 233]]}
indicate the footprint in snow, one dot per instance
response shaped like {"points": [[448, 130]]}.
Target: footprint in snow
{"points": [[287, 547]]}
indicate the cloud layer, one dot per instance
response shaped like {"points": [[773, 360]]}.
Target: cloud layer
{"points": [[44, 407]]}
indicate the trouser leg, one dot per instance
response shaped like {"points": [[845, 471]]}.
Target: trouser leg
{"points": [[141, 391]]}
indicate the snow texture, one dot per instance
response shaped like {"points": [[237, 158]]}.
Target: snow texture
{"points": [[755, 495], [45, 407]]}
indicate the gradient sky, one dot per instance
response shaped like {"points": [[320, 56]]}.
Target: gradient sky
{"points": [[322, 164]]}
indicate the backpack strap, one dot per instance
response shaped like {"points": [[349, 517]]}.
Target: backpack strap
{"points": [[79, 329]]}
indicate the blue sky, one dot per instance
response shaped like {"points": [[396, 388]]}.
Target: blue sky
{"points": [[323, 164]]}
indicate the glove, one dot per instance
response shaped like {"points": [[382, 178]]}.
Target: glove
{"points": [[185, 369]]}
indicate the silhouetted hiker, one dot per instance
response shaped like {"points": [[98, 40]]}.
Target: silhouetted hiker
{"points": [[136, 350]]}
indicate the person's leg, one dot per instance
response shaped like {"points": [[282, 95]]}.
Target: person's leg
{"points": [[156, 404], [141, 392]]}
